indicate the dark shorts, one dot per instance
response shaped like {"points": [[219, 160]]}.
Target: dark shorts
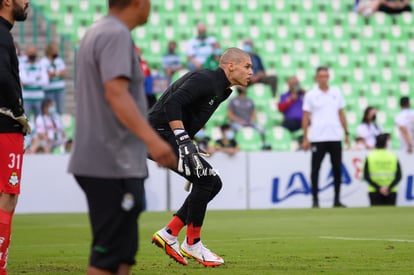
{"points": [[114, 208]]}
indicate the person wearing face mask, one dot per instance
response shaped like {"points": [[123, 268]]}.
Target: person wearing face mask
{"points": [[49, 128], [56, 70], [212, 61], [199, 48], [227, 144], [259, 72], [369, 129], [171, 61], [34, 77]]}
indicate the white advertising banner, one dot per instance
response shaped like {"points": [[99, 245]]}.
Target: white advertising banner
{"points": [[250, 181]]}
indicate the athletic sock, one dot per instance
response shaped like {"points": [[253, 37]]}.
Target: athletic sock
{"points": [[174, 226], [5, 231], [193, 234]]}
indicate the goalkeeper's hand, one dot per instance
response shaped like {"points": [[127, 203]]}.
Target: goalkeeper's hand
{"points": [[25, 124], [189, 161], [22, 119]]}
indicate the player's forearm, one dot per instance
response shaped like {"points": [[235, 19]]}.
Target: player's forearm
{"points": [[176, 124], [305, 124]]}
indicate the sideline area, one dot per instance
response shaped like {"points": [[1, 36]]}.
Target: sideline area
{"points": [[255, 180]]}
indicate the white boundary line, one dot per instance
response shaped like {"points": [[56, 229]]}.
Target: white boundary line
{"points": [[365, 239]]}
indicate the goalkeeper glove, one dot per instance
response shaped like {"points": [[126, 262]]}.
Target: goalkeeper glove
{"points": [[189, 161], [22, 119]]}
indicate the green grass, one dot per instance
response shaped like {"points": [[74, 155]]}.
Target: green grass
{"points": [[251, 242]]}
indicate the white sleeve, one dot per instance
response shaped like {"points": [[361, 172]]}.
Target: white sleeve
{"points": [[306, 103], [362, 131], [341, 100]]}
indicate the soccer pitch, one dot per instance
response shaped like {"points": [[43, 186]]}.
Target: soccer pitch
{"points": [[295, 241]]}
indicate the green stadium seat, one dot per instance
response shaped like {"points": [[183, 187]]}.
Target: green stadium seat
{"points": [[249, 139], [280, 139]]}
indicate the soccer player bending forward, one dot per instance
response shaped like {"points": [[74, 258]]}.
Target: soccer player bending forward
{"points": [[183, 109]]}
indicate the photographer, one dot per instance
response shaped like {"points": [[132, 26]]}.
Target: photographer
{"points": [[290, 104]]}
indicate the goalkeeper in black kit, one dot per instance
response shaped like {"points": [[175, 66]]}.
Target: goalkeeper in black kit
{"points": [[179, 114]]}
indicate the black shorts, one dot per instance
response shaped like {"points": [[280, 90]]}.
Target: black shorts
{"points": [[114, 208]]}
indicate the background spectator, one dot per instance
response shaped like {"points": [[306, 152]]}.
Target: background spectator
{"points": [[405, 123], [212, 61], [382, 171], [368, 130], [33, 77], [148, 81], [241, 111], [259, 72], [171, 61], [227, 144], [49, 128], [290, 104], [56, 70], [199, 48]]}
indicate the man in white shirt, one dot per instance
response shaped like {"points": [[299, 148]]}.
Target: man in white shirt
{"points": [[405, 123], [323, 114], [199, 48]]}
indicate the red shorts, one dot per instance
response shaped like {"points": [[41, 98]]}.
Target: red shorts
{"points": [[11, 161]]}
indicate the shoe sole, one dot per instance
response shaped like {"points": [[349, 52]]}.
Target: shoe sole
{"points": [[189, 256], [159, 241]]}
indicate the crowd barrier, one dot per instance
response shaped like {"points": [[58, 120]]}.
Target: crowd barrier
{"points": [[255, 180]]}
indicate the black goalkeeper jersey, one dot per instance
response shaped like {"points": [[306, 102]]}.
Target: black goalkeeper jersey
{"points": [[192, 99], [10, 89]]}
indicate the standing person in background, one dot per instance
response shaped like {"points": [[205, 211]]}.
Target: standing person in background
{"points": [[199, 48], [33, 77], [56, 70], [382, 171], [109, 155], [178, 115], [405, 123], [13, 123], [290, 104], [368, 129], [323, 113]]}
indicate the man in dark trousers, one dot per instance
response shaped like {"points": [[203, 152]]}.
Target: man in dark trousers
{"points": [[13, 122], [382, 171], [323, 114], [183, 109], [112, 137]]}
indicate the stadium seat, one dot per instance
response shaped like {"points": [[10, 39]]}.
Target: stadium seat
{"points": [[249, 139], [280, 139], [373, 56]]}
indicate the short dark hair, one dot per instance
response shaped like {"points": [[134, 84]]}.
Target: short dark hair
{"points": [[381, 140], [118, 3], [225, 127], [405, 101], [321, 68], [1, 4]]}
